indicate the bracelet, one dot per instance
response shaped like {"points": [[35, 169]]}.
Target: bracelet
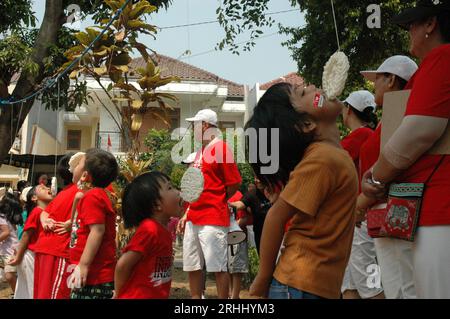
{"points": [[374, 181]]}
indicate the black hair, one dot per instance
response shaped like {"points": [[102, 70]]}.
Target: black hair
{"points": [[443, 19], [30, 205], [367, 116], [10, 209], [401, 82], [21, 185], [62, 170], [141, 197], [102, 166], [275, 110]]}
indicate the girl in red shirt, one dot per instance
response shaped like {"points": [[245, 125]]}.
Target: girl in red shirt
{"points": [[37, 200], [144, 271]]}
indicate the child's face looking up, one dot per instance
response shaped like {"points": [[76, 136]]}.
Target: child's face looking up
{"points": [[171, 202], [79, 169], [43, 193], [304, 100]]}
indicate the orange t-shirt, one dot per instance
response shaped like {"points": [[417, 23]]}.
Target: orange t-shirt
{"points": [[324, 188]]}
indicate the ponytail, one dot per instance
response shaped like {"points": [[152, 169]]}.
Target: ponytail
{"points": [[30, 205], [367, 116]]}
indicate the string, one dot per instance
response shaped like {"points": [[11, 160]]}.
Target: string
{"points": [[335, 26]]}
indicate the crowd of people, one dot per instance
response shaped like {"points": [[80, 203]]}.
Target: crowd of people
{"points": [[322, 223]]}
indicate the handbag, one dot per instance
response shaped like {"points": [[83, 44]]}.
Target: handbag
{"points": [[401, 216]]}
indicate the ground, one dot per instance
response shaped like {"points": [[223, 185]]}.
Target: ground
{"points": [[180, 287]]}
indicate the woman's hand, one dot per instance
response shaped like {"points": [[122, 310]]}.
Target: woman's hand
{"points": [[371, 189]]}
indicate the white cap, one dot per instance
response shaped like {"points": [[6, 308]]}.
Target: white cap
{"points": [[361, 100], [206, 115], [190, 159], [399, 65], [23, 195]]}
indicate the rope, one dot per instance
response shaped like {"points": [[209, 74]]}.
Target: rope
{"points": [[52, 81], [335, 26]]}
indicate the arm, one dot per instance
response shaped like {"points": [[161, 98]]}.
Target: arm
{"points": [[96, 233], [47, 223], [231, 190], [238, 205], [242, 222], [23, 245], [5, 232], [124, 269], [271, 239]]}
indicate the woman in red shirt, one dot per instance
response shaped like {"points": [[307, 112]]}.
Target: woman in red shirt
{"points": [[359, 116], [404, 157]]}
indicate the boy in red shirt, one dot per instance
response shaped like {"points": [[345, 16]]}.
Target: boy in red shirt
{"points": [[92, 242], [144, 271]]}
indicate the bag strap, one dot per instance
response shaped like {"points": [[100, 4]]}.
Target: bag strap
{"points": [[435, 169]]}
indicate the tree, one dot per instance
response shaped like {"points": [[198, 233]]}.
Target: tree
{"points": [[313, 44], [36, 55]]}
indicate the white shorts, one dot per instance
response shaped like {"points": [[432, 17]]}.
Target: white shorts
{"points": [[25, 277], [205, 245], [361, 269]]}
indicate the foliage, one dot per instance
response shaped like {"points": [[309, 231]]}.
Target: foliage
{"points": [[251, 12], [313, 44], [15, 14]]}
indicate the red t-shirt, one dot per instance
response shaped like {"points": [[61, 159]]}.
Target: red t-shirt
{"points": [[59, 210], [152, 275], [370, 151], [219, 171], [34, 222], [430, 96], [353, 143], [95, 208]]}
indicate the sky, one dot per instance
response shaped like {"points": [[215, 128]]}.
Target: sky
{"points": [[267, 60]]}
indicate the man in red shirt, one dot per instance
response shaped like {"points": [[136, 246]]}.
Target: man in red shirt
{"points": [[208, 219]]}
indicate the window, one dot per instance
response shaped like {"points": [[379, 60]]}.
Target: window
{"points": [[224, 125], [74, 140]]}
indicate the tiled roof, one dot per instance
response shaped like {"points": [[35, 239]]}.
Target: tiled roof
{"points": [[292, 78], [173, 67]]}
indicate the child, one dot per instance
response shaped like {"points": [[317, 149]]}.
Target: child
{"points": [[144, 270], [37, 200], [92, 243], [10, 217], [52, 247], [320, 187], [238, 254]]}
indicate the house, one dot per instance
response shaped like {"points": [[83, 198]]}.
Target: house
{"points": [[47, 132]]}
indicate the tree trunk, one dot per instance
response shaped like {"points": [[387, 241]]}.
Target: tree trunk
{"points": [[54, 12]]}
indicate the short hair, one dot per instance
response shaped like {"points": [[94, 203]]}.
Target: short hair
{"points": [[62, 170], [275, 110], [141, 197], [101, 166], [21, 185]]}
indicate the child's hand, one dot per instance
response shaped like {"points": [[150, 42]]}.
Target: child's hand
{"points": [[260, 287], [75, 280], [48, 224], [15, 260], [63, 227]]}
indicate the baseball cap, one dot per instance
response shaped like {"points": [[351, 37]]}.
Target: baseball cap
{"points": [[205, 115], [23, 195], [360, 100], [190, 159], [422, 10], [399, 65]]}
